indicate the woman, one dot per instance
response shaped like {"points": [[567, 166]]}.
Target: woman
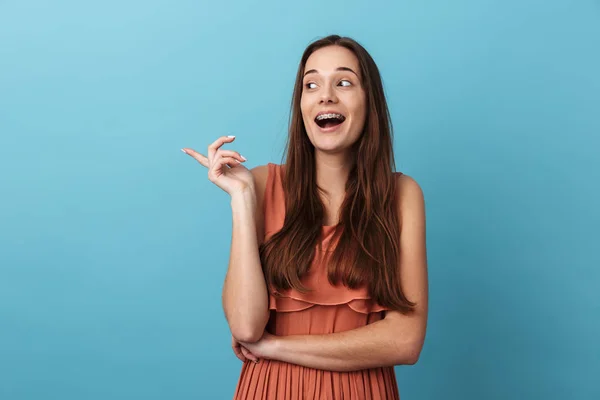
{"points": [[327, 283]]}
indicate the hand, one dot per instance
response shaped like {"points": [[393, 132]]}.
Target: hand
{"points": [[225, 167], [264, 348], [241, 352]]}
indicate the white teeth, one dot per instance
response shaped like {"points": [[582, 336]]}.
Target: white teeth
{"points": [[330, 115]]}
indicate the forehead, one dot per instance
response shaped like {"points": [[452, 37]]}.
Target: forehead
{"points": [[327, 59]]}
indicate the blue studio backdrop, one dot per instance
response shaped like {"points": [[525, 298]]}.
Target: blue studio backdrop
{"points": [[114, 245]]}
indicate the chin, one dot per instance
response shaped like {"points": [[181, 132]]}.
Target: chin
{"points": [[331, 147], [332, 143]]}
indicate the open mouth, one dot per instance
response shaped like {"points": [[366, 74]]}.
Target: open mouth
{"points": [[329, 120]]}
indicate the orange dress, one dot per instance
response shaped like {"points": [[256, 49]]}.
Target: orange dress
{"points": [[325, 309]]}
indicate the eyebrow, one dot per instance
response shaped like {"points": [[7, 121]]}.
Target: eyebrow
{"points": [[314, 71]]}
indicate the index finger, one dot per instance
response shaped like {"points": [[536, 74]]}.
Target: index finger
{"points": [[199, 157], [212, 149]]}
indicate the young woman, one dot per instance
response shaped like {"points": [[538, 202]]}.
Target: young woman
{"points": [[327, 283]]}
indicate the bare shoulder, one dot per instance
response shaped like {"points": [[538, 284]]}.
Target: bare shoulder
{"points": [[409, 189], [411, 200], [260, 174]]}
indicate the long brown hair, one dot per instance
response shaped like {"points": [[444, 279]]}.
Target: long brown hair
{"points": [[368, 235]]}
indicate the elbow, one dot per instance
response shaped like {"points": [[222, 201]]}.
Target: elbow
{"points": [[414, 354], [411, 359], [410, 355], [249, 332], [247, 335]]}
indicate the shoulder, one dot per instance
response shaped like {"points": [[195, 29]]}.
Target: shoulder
{"points": [[411, 200], [407, 186], [260, 174]]}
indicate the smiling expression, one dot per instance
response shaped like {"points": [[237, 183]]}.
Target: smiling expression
{"points": [[332, 86]]}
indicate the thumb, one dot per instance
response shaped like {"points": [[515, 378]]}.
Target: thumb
{"points": [[249, 355]]}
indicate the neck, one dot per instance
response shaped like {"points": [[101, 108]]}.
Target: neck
{"points": [[332, 172]]}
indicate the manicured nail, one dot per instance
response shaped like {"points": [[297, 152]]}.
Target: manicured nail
{"points": [[230, 136], [243, 158], [184, 151]]}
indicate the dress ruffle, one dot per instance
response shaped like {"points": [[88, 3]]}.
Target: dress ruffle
{"points": [[298, 303], [323, 292]]}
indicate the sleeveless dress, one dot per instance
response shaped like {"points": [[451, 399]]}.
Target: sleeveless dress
{"points": [[325, 309]]}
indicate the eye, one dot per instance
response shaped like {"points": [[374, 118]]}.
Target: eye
{"points": [[345, 82], [308, 85]]}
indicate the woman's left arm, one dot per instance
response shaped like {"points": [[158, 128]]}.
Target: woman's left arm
{"points": [[396, 339]]}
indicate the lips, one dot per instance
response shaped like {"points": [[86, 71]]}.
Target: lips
{"points": [[329, 127], [332, 121]]}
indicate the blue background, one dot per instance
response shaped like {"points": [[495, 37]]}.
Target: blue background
{"points": [[114, 245]]}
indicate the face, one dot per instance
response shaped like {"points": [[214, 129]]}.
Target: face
{"points": [[333, 102]]}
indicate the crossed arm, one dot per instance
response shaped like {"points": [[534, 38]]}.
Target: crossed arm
{"points": [[396, 339]]}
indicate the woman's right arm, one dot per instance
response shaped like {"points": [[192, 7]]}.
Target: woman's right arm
{"points": [[245, 297]]}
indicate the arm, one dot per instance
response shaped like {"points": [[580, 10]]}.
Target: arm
{"points": [[398, 338], [245, 297], [382, 343]]}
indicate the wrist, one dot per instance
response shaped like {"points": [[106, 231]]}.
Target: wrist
{"points": [[275, 347], [243, 196]]}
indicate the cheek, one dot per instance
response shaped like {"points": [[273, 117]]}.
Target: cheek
{"points": [[305, 111], [360, 111], [303, 107], [358, 127], [356, 102]]}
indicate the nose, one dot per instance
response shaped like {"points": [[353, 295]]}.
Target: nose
{"points": [[328, 95]]}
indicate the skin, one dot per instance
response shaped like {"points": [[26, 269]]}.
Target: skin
{"points": [[332, 81], [396, 339], [245, 297]]}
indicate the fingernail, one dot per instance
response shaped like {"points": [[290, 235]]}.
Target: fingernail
{"points": [[255, 361], [243, 158], [184, 151], [231, 136]]}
